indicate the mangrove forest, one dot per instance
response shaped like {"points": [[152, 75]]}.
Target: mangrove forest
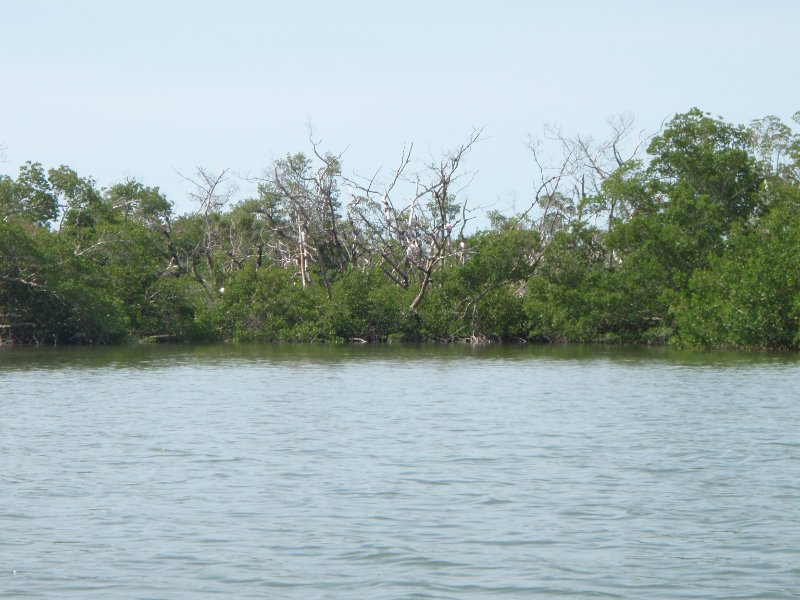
{"points": [[688, 236]]}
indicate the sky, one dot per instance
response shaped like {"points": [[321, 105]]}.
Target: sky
{"points": [[153, 89]]}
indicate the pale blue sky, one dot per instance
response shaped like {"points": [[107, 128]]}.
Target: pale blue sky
{"points": [[145, 88]]}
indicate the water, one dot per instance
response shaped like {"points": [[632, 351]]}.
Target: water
{"points": [[398, 472]]}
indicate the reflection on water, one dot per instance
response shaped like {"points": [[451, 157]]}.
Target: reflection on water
{"points": [[398, 472], [154, 355]]}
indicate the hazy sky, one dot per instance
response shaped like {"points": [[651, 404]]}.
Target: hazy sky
{"points": [[148, 88]]}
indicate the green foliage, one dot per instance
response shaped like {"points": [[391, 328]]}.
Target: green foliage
{"points": [[561, 303], [176, 310], [82, 306], [50, 295], [132, 200], [749, 296], [84, 203], [490, 284], [22, 293], [268, 305], [576, 296], [134, 262], [366, 305], [441, 316], [698, 246], [707, 183], [30, 198], [499, 257]]}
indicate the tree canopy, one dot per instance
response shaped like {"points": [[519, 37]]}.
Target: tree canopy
{"points": [[690, 236]]}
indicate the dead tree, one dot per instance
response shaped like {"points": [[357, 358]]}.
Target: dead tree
{"points": [[570, 184], [211, 191], [300, 200], [410, 220]]}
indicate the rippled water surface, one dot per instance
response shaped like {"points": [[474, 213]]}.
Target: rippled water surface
{"points": [[398, 472]]}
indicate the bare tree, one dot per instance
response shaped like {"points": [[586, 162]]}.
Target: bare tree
{"points": [[211, 191], [300, 200], [412, 233], [570, 185], [771, 141]]}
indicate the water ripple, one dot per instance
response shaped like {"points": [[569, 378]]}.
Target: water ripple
{"points": [[252, 473]]}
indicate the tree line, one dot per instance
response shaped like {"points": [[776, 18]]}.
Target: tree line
{"points": [[690, 236]]}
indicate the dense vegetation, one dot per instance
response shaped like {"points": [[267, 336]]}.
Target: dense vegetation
{"points": [[691, 236]]}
